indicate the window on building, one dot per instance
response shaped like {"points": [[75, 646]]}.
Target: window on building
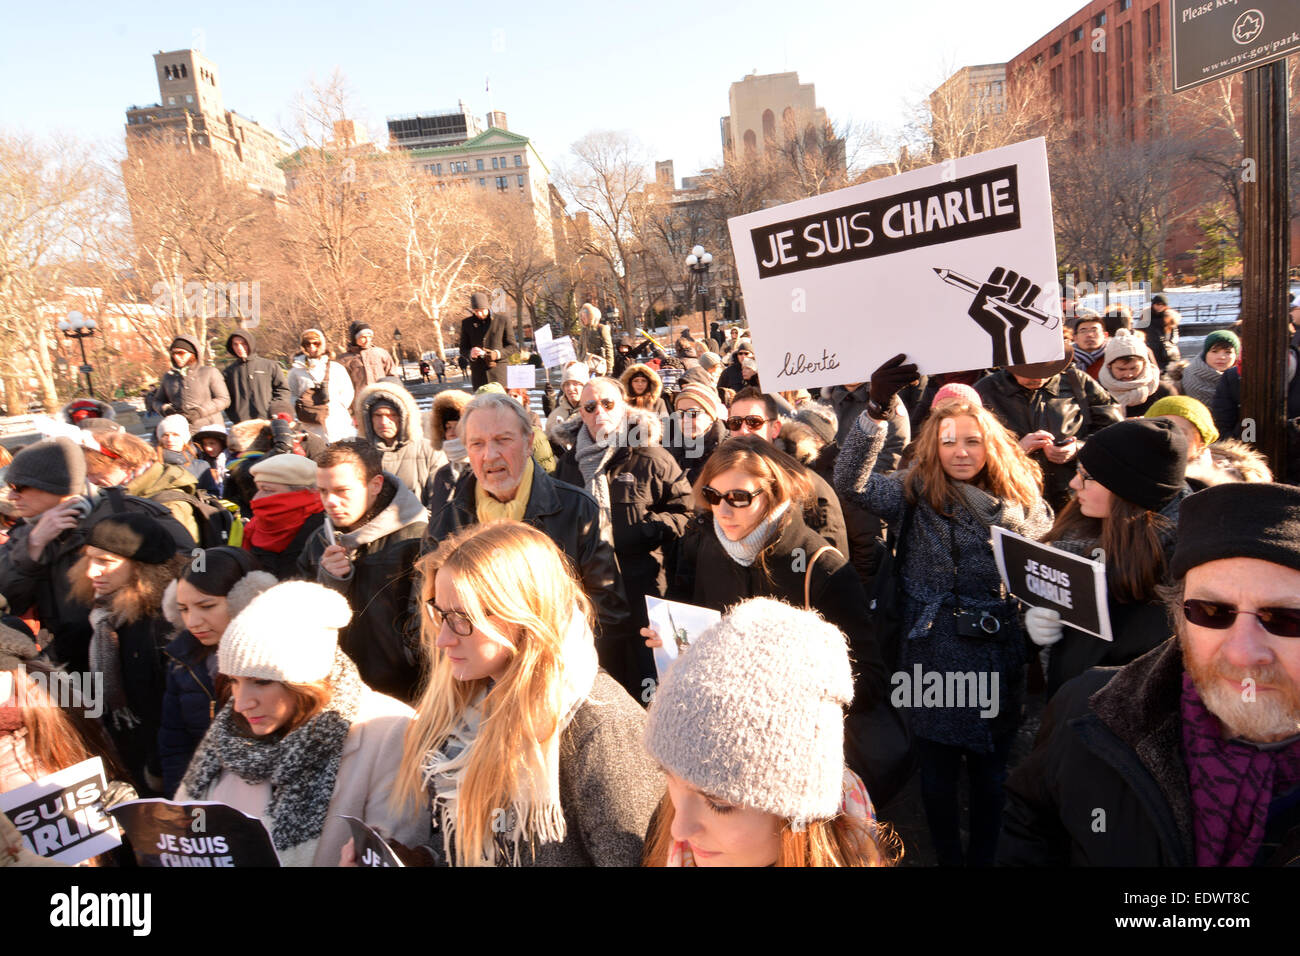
{"points": [[1099, 20], [502, 182], [1125, 5], [503, 162], [494, 162], [184, 70], [1076, 34], [189, 97], [171, 101], [1056, 48], [480, 165], [519, 160], [482, 180], [521, 181]]}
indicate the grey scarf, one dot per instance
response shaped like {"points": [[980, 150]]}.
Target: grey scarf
{"points": [[991, 510], [745, 551], [302, 766], [593, 457], [106, 657], [1200, 381]]}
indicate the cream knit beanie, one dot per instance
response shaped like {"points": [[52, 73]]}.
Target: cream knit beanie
{"points": [[1124, 344], [288, 633], [753, 712]]}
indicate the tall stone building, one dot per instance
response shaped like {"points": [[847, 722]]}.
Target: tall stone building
{"points": [[769, 109], [190, 112]]}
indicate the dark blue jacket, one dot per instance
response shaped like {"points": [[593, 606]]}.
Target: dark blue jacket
{"points": [[188, 705]]}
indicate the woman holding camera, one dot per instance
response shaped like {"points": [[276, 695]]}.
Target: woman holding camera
{"points": [[968, 473]]}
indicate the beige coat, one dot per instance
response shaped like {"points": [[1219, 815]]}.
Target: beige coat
{"points": [[371, 754]]}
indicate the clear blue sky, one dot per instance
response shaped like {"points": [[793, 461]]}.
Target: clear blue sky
{"points": [[558, 70]]}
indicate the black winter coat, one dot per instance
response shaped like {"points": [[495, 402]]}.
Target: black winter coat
{"points": [[189, 703], [1069, 405], [706, 575], [690, 457], [383, 635], [496, 333], [255, 384], [571, 518], [144, 680], [650, 504], [1111, 740], [43, 584], [733, 377], [1226, 406]]}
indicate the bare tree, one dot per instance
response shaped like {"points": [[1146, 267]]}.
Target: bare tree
{"points": [[519, 252]]}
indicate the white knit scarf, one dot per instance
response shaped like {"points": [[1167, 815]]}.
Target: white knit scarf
{"points": [[535, 814], [745, 551], [1136, 392]]}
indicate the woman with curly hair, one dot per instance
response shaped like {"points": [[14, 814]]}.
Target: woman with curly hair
{"points": [[530, 753], [968, 474]]}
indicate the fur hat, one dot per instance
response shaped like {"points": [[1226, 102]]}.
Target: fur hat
{"points": [[251, 435], [753, 713], [288, 633], [447, 407], [292, 470], [820, 418], [355, 329], [56, 465]]}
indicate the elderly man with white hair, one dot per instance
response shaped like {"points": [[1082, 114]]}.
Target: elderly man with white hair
{"points": [[505, 483]]}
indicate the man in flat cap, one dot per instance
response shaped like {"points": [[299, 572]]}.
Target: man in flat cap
{"points": [[1189, 755], [486, 338]]}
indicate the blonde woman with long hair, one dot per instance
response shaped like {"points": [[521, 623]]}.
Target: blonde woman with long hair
{"points": [[968, 473], [530, 753]]}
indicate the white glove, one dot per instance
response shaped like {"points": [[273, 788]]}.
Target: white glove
{"points": [[1044, 626]]}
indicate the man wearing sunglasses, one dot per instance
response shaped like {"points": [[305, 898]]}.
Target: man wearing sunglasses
{"points": [[644, 498], [1190, 755], [756, 413]]}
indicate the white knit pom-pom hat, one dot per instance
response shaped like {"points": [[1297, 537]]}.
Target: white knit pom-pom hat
{"points": [[288, 633]]}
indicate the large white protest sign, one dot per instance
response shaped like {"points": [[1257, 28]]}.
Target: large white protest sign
{"points": [[61, 816], [953, 265]]}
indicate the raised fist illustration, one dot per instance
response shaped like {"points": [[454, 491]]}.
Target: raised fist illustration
{"points": [[1002, 307]]}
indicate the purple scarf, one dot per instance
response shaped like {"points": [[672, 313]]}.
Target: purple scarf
{"points": [[1232, 785]]}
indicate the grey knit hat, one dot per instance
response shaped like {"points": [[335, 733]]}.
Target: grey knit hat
{"points": [[288, 633], [753, 712], [56, 465]]}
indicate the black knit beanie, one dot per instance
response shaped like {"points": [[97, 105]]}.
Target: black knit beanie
{"points": [[1142, 460], [134, 536], [1239, 520], [56, 465]]}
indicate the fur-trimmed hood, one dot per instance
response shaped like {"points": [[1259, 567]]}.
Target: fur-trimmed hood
{"points": [[649, 399], [799, 441], [409, 429], [436, 417], [246, 588], [105, 410], [649, 429]]}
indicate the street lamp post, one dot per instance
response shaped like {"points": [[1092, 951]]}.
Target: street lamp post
{"points": [[699, 262], [397, 347], [77, 326]]}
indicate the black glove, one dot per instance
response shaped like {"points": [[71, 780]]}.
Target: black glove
{"points": [[891, 378], [281, 437]]}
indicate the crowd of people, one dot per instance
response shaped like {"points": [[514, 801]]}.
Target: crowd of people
{"points": [[437, 623]]}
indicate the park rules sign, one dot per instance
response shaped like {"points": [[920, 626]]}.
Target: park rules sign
{"points": [[954, 265], [1215, 38]]}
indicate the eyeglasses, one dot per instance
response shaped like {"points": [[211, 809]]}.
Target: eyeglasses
{"points": [[693, 412], [752, 422], [1278, 621], [606, 403], [459, 623], [737, 497], [1084, 477]]}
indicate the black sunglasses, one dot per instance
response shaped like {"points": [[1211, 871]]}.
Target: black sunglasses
{"points": [[753, 422], [459, 623], [1278, 621], [737, 498], [605, 403]]}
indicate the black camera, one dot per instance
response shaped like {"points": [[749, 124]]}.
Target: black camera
{"points": [[981, 624]]}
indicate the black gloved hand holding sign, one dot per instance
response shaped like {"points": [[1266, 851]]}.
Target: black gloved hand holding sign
{"points": [[887, 381]]}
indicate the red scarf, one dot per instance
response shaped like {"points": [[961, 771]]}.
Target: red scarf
{"points": [[277, 518]]}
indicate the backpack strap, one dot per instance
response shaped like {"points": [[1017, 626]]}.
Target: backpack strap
{"points": [[807, 575]]}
